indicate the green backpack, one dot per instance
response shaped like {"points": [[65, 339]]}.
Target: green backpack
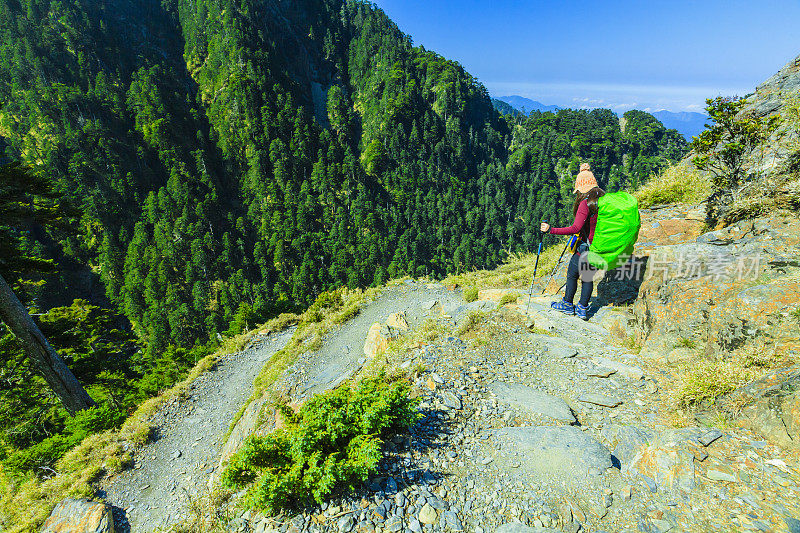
{"points": [[616, 231]]}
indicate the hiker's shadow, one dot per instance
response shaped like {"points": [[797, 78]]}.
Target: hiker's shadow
{"points": [[621, 285]]}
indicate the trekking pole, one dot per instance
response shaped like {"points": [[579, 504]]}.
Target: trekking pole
{"points": [[533, 279], [560, 257]]}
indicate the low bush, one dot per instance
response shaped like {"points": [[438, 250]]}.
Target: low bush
{"points": [[332, 443]]}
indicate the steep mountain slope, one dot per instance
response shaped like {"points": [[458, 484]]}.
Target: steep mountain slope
{"points": [[225, 151]]}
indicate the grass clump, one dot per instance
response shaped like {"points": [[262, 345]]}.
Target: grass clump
{"points": [[704, 382], [332, 444], [508, 298], [686, 343], [471, 294], [470, 322], [678, 184]]}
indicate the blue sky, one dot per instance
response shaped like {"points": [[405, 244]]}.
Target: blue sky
{"points": [[620, 54]]}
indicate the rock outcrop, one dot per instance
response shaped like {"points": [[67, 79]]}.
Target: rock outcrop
{"points": [[728, 289], [771, 95], [772, 406], [75, 515]]}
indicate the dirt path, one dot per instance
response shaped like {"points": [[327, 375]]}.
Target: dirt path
{"points": [[176, 466], [342, 353]]}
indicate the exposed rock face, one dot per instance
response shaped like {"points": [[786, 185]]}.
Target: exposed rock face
{"points": [[379, 335], [377, 340], [775, 408], [728, 289], [397, 321], [75, 515], [667, 461], [769, 96], [533, 401]]}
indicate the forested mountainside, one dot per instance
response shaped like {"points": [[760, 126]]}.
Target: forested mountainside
{"points": [[226, 161]]}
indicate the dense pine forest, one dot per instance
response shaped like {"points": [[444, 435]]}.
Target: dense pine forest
{"points": [[216, 162]]}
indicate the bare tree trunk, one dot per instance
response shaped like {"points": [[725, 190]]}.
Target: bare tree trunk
{"points": [[55, 372]]}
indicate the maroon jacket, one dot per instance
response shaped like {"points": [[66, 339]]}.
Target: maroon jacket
{"points": [[581, 217]]}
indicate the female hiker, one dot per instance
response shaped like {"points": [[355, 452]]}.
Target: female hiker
{"points": [[585, 210]]}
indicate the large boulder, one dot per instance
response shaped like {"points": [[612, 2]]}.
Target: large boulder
{"points": [[79, 515]]}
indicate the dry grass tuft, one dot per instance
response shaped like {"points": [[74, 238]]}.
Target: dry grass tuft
{"points": [[471, 322], [508, 298], [702, 382], [620, 337], [208, 513], [470, 294], [680, 183], [516, 272]]}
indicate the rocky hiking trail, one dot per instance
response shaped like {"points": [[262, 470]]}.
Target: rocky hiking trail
{"points": [[532, 420], [556, 431]]}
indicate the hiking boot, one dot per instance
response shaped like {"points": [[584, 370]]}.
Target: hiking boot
{"points": [[582, 311], [563, 306]]}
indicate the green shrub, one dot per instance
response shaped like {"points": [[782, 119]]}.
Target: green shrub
{"points": [[471, 294], [332, 444]]}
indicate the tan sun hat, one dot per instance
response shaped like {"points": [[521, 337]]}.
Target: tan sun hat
{"points": [[585, 181]]}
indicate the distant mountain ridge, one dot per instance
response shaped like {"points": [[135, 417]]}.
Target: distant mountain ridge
{"points": [[687, 123], [504, 108], [526, 105]]}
